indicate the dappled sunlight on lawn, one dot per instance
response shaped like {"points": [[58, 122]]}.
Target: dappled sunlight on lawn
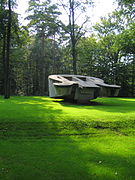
{"points": [[109, 157], [68, 158], [52, 139], [46, 109], [29, 109], [128, 99], [115, 105]]}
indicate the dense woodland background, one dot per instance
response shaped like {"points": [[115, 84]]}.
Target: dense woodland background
{"points": [[47, 45]]}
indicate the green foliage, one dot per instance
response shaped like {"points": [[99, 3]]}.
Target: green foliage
{"points": [[43, 17], [110, 54], [127, 7], [87, 56], [127, 40]]}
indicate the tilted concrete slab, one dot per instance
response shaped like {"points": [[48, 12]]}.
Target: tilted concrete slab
{"points": [[80, 88]]}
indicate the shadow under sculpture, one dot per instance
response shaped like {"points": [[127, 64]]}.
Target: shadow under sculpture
{"points": [[80, 88]]}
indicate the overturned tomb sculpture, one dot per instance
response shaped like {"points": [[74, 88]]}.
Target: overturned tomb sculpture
{"points": [[80, 88]]}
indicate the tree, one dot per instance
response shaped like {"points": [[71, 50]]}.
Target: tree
{"points": [[74, 9], [88, 49], [127, 7], [6, 23], [16, 51], [6, 67], [43, 20], [126, 38], [3, 24], [126, 42], [107, 30]]}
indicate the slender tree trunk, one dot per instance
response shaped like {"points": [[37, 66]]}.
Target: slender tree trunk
{"points": [[74, 59], [115, 65], [42, 66], [54, 69], [7, 70], [72, 35], [3, 57], [46, 77], [36, 78], [133, 76]]}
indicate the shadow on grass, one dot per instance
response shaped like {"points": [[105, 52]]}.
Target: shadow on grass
{"points": [[66, 159], [118, 105], [38, 150]]}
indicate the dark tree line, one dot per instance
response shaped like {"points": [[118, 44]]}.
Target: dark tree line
{"points": [[28, 54]]}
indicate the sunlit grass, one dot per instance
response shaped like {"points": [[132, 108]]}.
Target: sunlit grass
{"points": [[43, 108], [48, 139]]}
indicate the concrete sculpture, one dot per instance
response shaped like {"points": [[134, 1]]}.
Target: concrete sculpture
{"points": [[80, 88]]}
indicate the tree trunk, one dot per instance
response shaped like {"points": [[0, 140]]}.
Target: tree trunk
{"points": [[133, 76], [42, 65], [3, 57], [74, 58], [72, 35], [36, 79], [7, 71]]}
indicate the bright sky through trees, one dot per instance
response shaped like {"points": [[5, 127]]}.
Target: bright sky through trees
{"points": [[102, 8]]}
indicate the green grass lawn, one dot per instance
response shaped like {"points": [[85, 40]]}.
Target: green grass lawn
{"points": [[48, 139]]}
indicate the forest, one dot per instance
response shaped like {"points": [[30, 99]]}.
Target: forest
{"points": [[47, 45]]}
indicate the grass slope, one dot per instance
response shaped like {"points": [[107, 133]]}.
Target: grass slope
{"points": [[43, 138]]}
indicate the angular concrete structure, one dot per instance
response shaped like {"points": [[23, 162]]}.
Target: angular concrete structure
{"points": [[80, 88]]}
